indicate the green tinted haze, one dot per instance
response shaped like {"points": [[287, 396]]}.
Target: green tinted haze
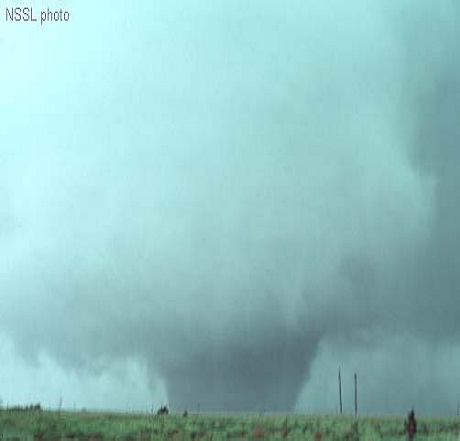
{"points": [[216, 204]]}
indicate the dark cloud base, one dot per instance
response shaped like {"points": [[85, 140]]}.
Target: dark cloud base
{"points": [[240, 378]]}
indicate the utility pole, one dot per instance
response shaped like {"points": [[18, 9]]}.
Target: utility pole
{"points": [[356, 395], [340, 392]]}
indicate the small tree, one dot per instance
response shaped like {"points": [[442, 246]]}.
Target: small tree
{"points": [[411, 425]]}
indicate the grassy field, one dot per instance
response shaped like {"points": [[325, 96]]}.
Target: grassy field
{"points": [[90, 426]]}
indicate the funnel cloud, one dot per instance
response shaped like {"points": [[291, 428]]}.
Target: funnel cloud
{"points": [[217, 205]]}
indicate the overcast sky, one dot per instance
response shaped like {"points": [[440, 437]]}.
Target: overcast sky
{"points": [[217, 204]]}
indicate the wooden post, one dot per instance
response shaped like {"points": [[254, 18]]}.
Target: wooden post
{"points": [[340, 392], [356, 395]]}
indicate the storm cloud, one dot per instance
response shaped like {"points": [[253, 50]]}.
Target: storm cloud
{"points": [[235, 199]]}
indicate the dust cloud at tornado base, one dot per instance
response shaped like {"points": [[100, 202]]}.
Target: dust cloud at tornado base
{"points": [[240, 198]]}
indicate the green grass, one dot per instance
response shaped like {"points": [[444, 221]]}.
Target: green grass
{"points": [[92, 426]]}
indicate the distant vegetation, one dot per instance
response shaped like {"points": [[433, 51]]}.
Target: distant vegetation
{"points": [[163, 410], [30, 407], [30, 425]]}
